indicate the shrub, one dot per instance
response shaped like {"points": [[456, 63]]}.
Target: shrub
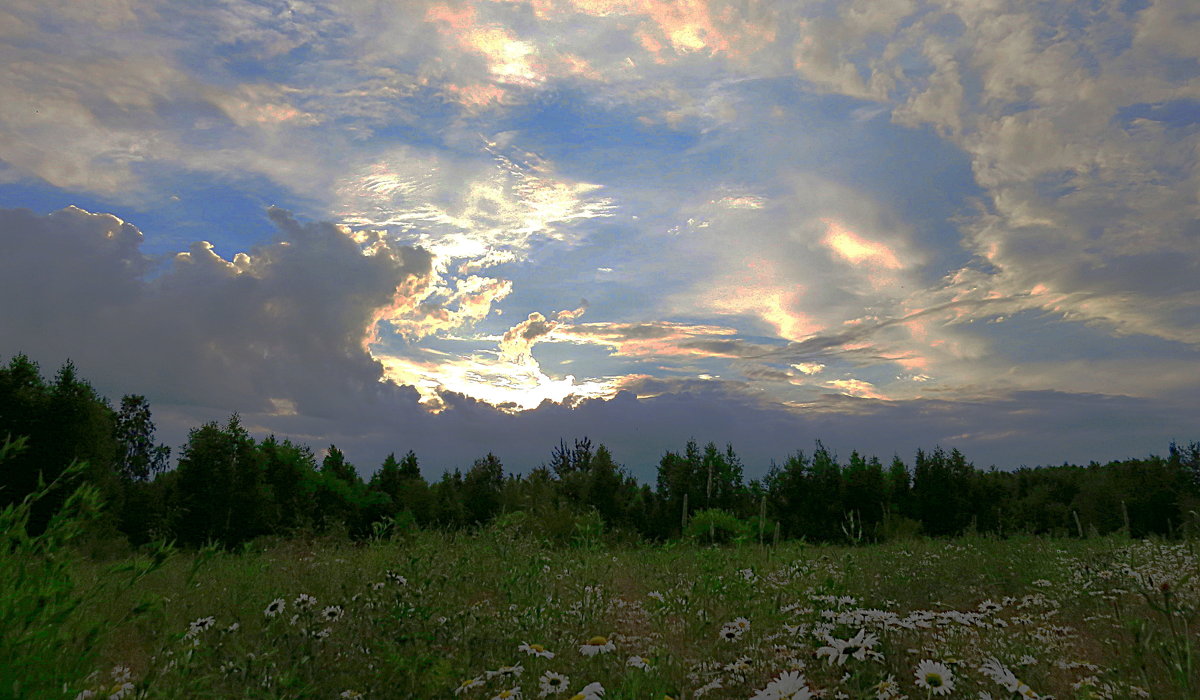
{"points": [[715, 526]]}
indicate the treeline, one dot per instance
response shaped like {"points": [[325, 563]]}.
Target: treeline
{"points": [[230, 488]]}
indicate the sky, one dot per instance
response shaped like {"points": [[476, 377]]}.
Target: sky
{"points": [[467, 226]]}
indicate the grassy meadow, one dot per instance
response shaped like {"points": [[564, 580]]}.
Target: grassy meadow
{"points": [[497, 614]]}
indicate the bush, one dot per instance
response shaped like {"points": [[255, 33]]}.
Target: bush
{"points": [[715, 526]]}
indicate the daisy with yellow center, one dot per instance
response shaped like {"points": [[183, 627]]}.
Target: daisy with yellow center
{"points": [[591, 691], [597, 645], [552, 683], [468, 685], [935, 677], [535, 650]]}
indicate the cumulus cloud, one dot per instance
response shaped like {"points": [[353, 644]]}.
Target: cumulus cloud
{"points": [[873, 187], [281, 324]]}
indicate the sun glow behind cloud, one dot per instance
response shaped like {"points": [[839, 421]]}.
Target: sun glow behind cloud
{"points": [[972, 161], [857, 249], [508, 385]]}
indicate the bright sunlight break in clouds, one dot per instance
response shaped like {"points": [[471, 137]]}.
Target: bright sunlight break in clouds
{"points": [[477, 225]]}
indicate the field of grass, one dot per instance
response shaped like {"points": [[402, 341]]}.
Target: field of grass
{"points": [[496, 614]]}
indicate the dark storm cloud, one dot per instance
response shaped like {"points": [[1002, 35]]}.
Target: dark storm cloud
{"points": [[280, 328]]}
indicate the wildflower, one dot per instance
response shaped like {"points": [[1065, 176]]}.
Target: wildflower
{"points": [[121, 674], [552, 683], [597, 645], [323, 633], [990, 606], [198, 626], [859, 647], [886, 688], [234, 627], [468, 684], [535, 650], [333, 613], [351, 694], [396, 578], [591, 691], [378, 585], [731, 632], [655, 595], [120, 690], [639, 662], [275, 608], [741, 623], [513, 693], [790, 685], [304, 600], [507, 671], [935, 677]]}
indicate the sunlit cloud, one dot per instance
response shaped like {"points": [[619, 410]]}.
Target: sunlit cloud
{"points": [[756, 293], [658, 339], [856, 388], [824, 206], [507, 385], [856, 249]]}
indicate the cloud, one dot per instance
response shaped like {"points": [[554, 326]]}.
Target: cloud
{"points": [[281, 324]]}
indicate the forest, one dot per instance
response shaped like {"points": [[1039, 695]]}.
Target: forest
{"points": [[229, 488]]}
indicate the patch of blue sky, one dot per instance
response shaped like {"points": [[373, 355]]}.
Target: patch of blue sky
{"points": [[1132, 7], [229, 213], [1036, 336], [924, 179], [42, 198], [1176, 113], [180, 210], [591, 141], [558, 360], [424, 123], [607, 267]]}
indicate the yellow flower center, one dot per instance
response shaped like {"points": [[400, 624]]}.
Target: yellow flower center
{"points": [[537, 647], [597, 641]]}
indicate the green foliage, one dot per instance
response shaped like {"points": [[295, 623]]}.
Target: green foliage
{"points": [[49, 639], [138, 457], [716, 526]]}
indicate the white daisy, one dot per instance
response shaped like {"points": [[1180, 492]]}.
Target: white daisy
{"points": [[591, 691], [468, 684], [935, 677], [535, 650], [791, 685], [513, 693], [886, 688], [198, 626], [552, 683], [638, 662], [597, 645]]}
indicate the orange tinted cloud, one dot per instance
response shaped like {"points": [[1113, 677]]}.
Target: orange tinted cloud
{"points": [[509, 59], [856, 388], [771, 303], [662, 338], [856, 249]]}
